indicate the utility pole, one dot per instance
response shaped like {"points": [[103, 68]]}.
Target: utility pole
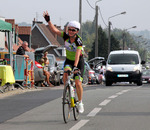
{"points": [[109, 37], [109, 29], [80, 16], [96, 32], [123, 39], [124, 35]]}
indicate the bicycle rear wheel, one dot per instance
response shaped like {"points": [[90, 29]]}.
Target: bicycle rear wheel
{"points": [[66, 104], [75, 109]]}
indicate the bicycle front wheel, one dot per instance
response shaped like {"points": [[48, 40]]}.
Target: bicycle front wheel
{"points": [[66, 104], [75, 109]]}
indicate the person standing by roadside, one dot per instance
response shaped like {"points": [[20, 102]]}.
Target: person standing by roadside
{"points": [[74, 54], [21, 50]]}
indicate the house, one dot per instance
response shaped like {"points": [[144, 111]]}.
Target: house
{"points": [[60, 40], [19, 34], [12, 22], [25, 34], [42, 37]]}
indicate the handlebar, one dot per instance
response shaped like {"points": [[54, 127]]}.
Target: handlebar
{"points": [[69, 72]]}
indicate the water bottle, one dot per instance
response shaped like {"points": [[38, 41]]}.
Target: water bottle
{"points": [[72, 96]]}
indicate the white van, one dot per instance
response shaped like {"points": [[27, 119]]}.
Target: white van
{"points": [[124, 66]]}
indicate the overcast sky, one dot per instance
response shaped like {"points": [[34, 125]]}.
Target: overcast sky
{"points": [[62, 11]]}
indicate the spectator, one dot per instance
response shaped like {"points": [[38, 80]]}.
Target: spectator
{"points": [[45, 62], [21, 50], [101, 74], [102, 70]]}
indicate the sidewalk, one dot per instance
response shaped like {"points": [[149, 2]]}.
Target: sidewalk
{"points": [[16, 91]]}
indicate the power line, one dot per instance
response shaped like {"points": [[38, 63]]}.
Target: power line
{"points": [[90, 4], [102, 17], [99, 12]]}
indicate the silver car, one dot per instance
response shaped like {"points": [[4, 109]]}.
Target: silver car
{"points": [[53, 67]]}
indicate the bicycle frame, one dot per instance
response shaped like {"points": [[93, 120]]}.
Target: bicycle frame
{"points": [[69, 98], [69, 83]]}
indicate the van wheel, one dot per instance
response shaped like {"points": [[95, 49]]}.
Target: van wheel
{"points": [[108, 83], [139, 83]]}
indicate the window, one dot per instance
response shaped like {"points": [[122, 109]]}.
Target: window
{"points": [[51, 60], [123, 59]]}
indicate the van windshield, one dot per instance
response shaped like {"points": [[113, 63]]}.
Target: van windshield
{"points": [[123, 59]]}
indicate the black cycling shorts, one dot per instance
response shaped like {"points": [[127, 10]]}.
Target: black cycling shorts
{"points": [[80, 66]]}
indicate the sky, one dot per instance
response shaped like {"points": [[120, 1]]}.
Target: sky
{"points": [[62, 11]]}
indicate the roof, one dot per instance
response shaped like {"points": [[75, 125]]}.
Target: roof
{"points": [[4, 26], [59, 39], [12, 21], [96, 59], [48, 34], [44, 49], [24, 30], [124, 52]]}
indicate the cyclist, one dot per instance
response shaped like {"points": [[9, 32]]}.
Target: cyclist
{"points": [[74, 54]]}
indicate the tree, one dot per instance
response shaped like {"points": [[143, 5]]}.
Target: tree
{"points": [[103, 45], [114, 44], [88, 35]]}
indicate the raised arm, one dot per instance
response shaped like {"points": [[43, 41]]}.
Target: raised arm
{"points": [[52, 27]]}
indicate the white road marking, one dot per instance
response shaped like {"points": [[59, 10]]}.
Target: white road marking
{"points": [[94, 112], [105, 102], [113, 96], [124, 91], [79, 125], [119, 93], [137, 87]]}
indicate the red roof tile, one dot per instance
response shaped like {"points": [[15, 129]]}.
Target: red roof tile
{"points": [[24, 30], [12, 21]]}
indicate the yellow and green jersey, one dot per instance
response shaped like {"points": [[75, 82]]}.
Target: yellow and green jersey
{"points": [[72, 47]]}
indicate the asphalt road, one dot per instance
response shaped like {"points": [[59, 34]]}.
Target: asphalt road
{"points": [[119, 107]]}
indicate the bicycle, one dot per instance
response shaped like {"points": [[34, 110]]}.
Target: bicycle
{"points": [[70, 99]]}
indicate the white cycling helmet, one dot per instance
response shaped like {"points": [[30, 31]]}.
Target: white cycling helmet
{"points": [[74, 24]]}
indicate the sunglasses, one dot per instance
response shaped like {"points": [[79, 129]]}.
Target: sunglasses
{"points": [[73, 30]]}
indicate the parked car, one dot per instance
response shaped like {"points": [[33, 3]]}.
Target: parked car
{"points": [[89, 75], [146, 76], [38, 70], [54, 70], [52, 67], [96, 59], [100, 77], [97, 63], [61, 69]]}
